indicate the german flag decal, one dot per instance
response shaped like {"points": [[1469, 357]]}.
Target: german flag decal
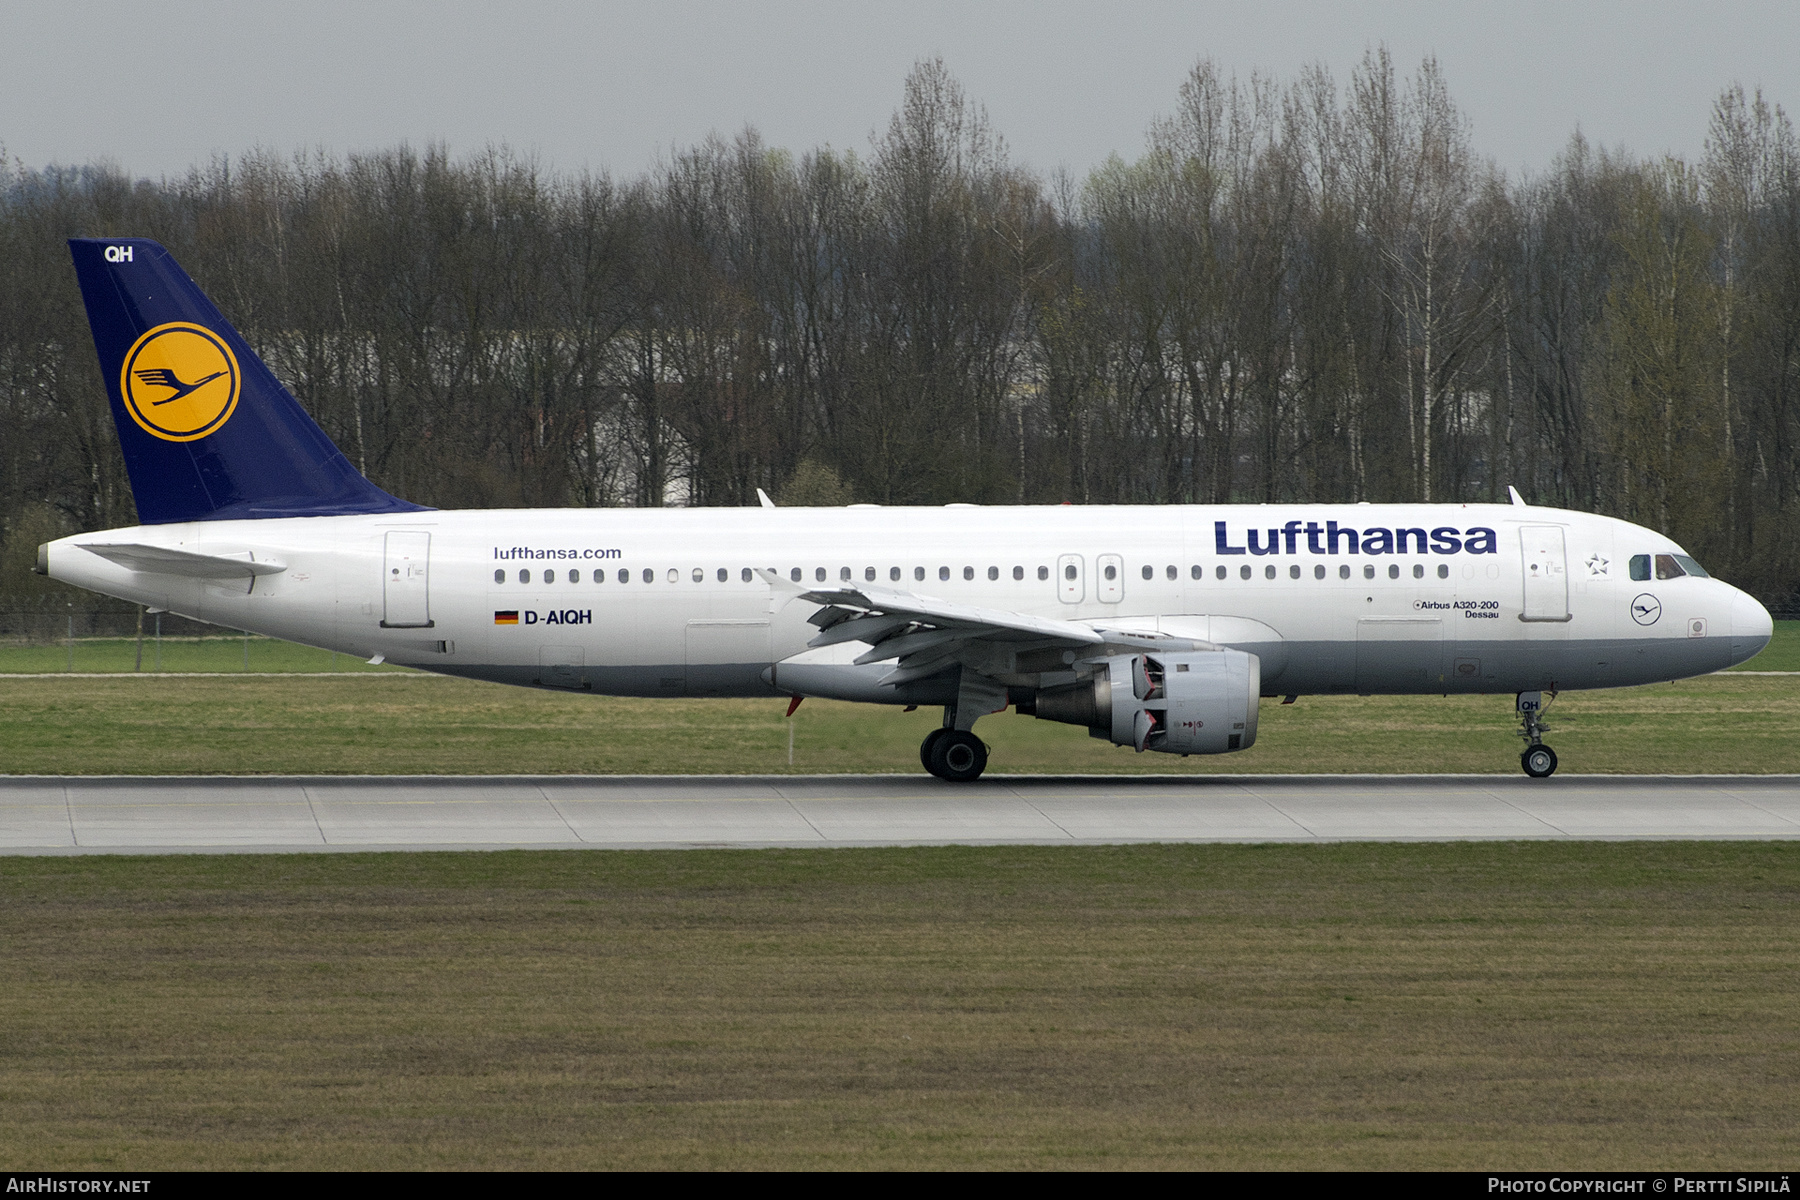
{"points": [[510, 617]]}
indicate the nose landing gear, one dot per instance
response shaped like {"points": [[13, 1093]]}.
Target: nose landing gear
{"points": [[1538, 759]]}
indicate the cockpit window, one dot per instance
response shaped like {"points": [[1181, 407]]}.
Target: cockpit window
{"points": [[1691, 567], [1640, 567], [1668, 568]]}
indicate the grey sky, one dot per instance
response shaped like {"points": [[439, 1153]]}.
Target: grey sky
{"points": [[159, 87]]}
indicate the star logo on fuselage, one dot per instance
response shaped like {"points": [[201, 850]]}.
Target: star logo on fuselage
{"points": [[1596, 565]]}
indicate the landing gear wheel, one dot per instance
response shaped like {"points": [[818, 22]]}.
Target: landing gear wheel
{"points": [[958, 756], [1539, 762], [931, 739]]}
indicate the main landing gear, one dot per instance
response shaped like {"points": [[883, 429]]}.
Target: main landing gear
{"points": [[956, 755], [1538, 759]]}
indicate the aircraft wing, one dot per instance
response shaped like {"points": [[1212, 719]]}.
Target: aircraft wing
{"points": [[924, 635], [164, 560]]}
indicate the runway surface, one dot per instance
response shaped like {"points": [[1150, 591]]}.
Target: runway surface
{"points": [[86, 815]]}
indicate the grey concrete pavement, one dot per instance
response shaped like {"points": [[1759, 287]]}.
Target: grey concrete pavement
{"points": [[75, 815]]}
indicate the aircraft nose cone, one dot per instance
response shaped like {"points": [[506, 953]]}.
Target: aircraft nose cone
{"points": [[1751, 628]]}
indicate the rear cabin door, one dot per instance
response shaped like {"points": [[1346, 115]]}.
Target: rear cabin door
{"points": [[1545, 564], [405, 591]]}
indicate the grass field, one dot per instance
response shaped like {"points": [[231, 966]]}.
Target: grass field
{"points": [[226, 655], [1456, 1006], [411, 723]]}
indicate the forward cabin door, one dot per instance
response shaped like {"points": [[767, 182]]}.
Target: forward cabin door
{"points": [[1546, 570], [405, 592]]}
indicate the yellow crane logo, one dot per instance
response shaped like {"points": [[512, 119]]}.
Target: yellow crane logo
{"points": [[180, 382]]}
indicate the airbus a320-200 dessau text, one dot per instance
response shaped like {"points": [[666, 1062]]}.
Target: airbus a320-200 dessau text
{"points": [[1158, 628]]}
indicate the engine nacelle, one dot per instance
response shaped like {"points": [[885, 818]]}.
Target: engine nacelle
{"points": [[1198, 702]]}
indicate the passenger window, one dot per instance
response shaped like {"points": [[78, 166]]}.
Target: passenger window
{"points": [[1069, 571], [1269, 571], [1393, 570], [599, 575], [1344, 571], [524, 575], [1149, 572], [843, 574], [574, 575], [1294, 571], [1043, 574], [1171, 572], [724, 575], [1195, 571], [649, 575], [818, 574], [1691, 567], [674, 574], [1418, 570], [968, 573], [747, 575], [919, 574], [1640, 567], [1221, 571], [500, 575], [1112, 572], [1319, 571], [1018, 574], [549, 575], [624, 575], [699, 575], [993, 574], [943, 574], [1243, 571], [894, 574], [1667, 567], [868, 574], [1443, 570], [794, 575], [1368, 570]]}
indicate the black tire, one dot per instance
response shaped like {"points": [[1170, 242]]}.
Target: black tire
{"points": [[958, 757], [931, 739], [1539, 762]]}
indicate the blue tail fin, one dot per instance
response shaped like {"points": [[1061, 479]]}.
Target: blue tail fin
{"points": [[208, 432]]}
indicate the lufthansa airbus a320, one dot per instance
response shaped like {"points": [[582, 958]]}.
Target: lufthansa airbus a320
{"points": [[1157, 628]]}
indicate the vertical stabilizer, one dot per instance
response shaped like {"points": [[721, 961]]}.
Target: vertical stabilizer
{"points": [[207, 431]]}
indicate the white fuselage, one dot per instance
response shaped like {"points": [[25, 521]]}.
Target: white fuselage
{"points": [[667, 602]]}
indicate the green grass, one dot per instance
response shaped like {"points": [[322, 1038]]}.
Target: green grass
{"points": [[409, 723], [1528, 1005], [226, 655], [413, 724]]}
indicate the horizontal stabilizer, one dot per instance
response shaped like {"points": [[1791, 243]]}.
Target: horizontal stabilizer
{"points": [[163, 560]]}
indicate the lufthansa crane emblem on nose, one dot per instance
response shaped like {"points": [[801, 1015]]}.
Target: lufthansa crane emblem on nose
{"points": [[1645, 608]]}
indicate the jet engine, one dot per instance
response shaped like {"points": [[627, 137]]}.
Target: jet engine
{"points": [[1197, 702]]}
